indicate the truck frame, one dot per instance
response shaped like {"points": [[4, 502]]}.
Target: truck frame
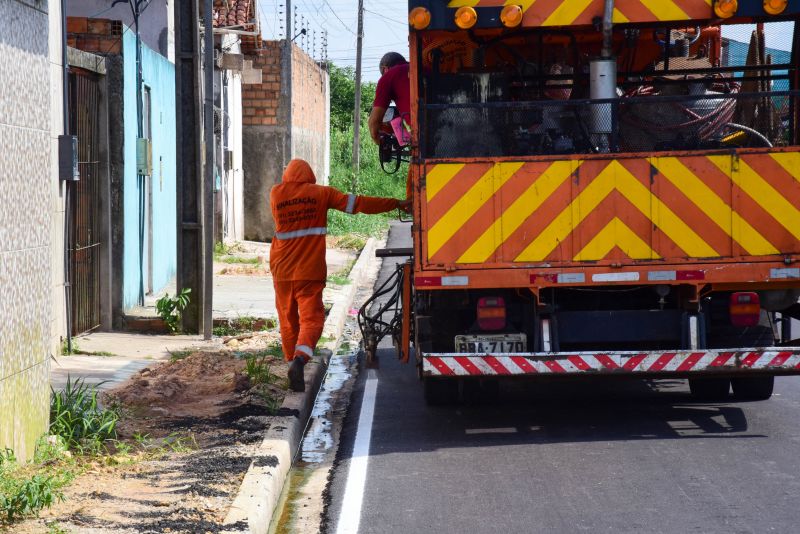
{"points": [[603, 188]]}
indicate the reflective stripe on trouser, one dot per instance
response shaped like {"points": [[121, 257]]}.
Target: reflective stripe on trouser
{"points": [[301, 315]]}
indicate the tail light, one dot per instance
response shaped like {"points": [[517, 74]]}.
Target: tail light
{"points": [[775, 7], [745, 309], [511, 16], [419, 18], [466, 17], [725, 9], [491, 313]]}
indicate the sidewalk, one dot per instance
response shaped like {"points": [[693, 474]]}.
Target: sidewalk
{"points": [[245, 295], [111, 357]]}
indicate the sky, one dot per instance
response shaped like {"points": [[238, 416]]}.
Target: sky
{"points": [[386, 29]]}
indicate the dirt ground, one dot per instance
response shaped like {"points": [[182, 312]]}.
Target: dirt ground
{"points": [[193, 425]]}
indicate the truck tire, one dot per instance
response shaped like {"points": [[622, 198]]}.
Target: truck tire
{"points": [[753, 388], [710, 389], [440, 391]]}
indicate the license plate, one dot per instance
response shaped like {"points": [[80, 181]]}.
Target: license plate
{"points": [[488, 344]]}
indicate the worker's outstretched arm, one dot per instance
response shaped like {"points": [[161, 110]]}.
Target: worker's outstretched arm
{"points": [[374, 122], [350, 203]]}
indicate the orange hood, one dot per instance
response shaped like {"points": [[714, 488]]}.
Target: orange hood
{"points": [[299, 171]]}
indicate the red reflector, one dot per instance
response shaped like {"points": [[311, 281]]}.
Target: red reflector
{"points": [[691, 275], [491, 313], [744, 309], [428, 281]]}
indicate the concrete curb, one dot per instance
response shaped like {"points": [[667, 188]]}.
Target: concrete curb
{"points": [[261, 488]]}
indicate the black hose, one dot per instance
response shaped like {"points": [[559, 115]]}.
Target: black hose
{"points": [[374, 325]]}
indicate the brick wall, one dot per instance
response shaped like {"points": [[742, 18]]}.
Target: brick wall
{"points": [[100, 36], [261, 102]]}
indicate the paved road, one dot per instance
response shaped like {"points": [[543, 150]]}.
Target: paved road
{"points": [[628, 457]]}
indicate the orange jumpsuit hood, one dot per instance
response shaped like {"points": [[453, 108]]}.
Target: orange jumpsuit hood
{"points": [[299, 171]]}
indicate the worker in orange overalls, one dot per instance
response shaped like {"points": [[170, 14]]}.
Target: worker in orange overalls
{"points": [[297, 256]]}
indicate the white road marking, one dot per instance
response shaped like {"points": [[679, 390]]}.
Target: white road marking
{"points": [[350, 516]]}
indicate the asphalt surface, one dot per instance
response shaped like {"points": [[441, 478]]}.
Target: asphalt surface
{"points": [[573, 457]]}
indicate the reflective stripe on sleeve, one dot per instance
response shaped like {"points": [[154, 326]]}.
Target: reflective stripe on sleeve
{"points": [[351, 203], [317, 230]]}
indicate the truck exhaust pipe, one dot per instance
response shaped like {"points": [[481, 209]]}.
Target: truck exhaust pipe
{"points": [[603, 84]]}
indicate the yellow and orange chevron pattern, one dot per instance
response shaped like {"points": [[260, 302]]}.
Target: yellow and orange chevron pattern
{"points": [[568, 211], [573, 12]]}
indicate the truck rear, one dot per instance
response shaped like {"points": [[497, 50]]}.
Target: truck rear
{"points": [[605, 188]]}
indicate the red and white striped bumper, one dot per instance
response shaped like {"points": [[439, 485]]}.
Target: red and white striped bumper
{"points": [[777, 360]]}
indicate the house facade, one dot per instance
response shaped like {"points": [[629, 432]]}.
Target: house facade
{"points": [[142, 205], [31, 221]]}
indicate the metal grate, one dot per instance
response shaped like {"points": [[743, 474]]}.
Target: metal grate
{"points": [[646, 120]]}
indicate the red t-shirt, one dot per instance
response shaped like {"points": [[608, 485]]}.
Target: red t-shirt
{"points": [[395, 86]]}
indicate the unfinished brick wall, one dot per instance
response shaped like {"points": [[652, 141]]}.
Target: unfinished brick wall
{"points": [[100, 36], [261, 102]]}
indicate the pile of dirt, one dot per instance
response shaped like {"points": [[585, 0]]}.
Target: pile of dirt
{"points": [[202, 384]]}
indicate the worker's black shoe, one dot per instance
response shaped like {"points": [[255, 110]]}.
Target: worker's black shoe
{"points": [[296, 380]]}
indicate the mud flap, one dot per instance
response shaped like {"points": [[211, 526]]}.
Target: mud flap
{"points": [[404, 347]]}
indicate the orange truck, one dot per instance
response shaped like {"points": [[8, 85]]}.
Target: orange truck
{"points": [[604, 188]]}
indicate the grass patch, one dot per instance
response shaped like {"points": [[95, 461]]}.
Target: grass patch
{"points": [[243, 325], [342, 277], [237, 259], [351, 242], [370, 180], [65, 350], [175, 355]]}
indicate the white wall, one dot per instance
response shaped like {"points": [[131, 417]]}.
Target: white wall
{"points": [[233, 181]]}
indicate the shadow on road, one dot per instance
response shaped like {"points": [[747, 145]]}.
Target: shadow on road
{"points": [[545, 413]]}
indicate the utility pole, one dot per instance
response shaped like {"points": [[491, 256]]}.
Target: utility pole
{"points": [[357, 104], [193, 90], [208, 169]]}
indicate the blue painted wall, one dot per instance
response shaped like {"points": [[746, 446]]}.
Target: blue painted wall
{"points": [[159, 75]]}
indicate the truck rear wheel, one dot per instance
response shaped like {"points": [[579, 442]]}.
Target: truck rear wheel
{"points": [[440, 391], [753, 388], [710, 389]]}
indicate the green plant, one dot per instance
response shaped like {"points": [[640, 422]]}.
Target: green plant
{"points": [[271, 402], [7, 458], [77, 418], [171, 308], [55, 528], [258, 370], [177, 443], [175, 355], [27, 497], [65, 348], [221, 249], [142, 439]]}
